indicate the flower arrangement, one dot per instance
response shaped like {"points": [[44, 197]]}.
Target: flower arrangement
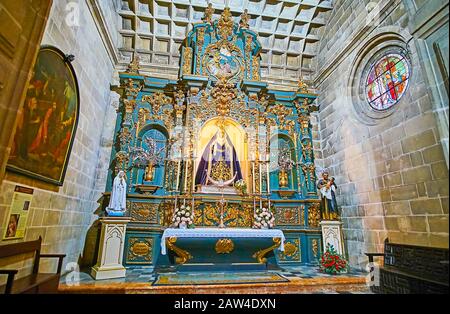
{"points": [[332, 263], [264, 219], [183, 218], [241, 186]]}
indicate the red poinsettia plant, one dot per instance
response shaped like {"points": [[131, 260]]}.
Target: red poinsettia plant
{"points": [[332, 263]]}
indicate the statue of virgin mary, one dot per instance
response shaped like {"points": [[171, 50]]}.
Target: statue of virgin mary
{"points": [[219, 160], [117, 202]]}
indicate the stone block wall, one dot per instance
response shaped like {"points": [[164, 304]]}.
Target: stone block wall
{"points": [[391, 174], [63, 215]]}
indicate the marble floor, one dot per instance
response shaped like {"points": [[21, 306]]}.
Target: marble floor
{"points": [[299, 279]]}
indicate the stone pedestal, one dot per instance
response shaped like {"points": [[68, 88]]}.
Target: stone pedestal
{"points": [[110, 253], [332, 234]]}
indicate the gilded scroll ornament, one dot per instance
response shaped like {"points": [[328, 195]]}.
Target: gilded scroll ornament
{"points": [[315, 247], [143, 115], [168, 118], [134, 65], [224, 246], [166, 211], [288, 216], [223, 94], [281, 112], [209, 11], [309, 169], [314, 215], [144, 212], [140, 251], [182, 255], [245, 19], [179, 99], [225, 24], [122, 158], [291, 250], [200, 42], [198, 215], [248, 53], [187, 61], [221, 171], [129, 105], [303, 120], [260, 255], [125, 137], [307, 150], [157, 100], [255, 69], [303, 87], [235, 215], [131, 90]]}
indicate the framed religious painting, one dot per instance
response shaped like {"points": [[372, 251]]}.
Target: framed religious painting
{"points": [[46, 127]]}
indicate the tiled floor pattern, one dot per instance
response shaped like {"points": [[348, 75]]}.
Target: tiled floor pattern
{"points": [[147, 275]]}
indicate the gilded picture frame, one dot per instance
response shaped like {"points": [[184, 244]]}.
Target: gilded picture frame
{"points": [[46, 127]]}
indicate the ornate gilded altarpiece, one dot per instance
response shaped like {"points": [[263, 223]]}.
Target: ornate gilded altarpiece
{"points": [[218, 95]]}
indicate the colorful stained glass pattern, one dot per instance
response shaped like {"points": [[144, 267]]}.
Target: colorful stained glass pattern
{"points": [[387, 81]]}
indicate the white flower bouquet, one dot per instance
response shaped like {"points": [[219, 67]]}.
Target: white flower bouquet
{"points": [[241, 186], [183, 218], [264, 219]]}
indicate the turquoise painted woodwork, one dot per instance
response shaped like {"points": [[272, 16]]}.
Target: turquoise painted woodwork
{"points": [[149, 108], [205, 256]]}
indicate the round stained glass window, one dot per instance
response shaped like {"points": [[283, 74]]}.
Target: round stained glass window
{"points": [[387, 81]]}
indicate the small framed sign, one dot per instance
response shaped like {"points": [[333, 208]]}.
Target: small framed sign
{"points": [[16, 222]]}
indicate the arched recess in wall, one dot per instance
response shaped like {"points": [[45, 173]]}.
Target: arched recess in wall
{"points": [[278, 143], [153, 174], [387, 40]]}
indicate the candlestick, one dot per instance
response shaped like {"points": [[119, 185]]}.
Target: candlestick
{"points": [[185, 171], [253, 177], [260, 177], [193, 176], [178, 174]]}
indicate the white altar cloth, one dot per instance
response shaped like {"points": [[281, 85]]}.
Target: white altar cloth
{"points": [[221, 233]]}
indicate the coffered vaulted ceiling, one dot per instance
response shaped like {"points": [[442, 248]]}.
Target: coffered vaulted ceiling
{"points": [[289, 31]]}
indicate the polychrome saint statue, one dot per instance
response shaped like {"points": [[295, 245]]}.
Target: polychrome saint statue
{"points": [[327, 188]]}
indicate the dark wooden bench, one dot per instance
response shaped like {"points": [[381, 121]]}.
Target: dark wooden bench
{"points": [[36, 282], [410, 269]]}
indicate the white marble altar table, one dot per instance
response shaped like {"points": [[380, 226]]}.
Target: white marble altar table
{"points": [[221, 233]]}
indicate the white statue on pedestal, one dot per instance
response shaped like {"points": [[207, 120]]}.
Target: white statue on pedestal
{"points": [[117, 202]]}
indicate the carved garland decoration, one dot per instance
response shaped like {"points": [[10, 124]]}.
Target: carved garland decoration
{"points": [[314, 215]]}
